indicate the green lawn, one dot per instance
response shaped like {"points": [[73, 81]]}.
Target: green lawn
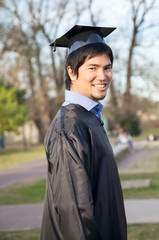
{"points": [[21, 235], [142, 192], [148, 165], [10, 157], [135, 232], [145, 133], [32, 192], [23, 193], [143, 232], [148, 168]]}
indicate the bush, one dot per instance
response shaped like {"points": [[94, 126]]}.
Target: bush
{"points": [[131, 124]]}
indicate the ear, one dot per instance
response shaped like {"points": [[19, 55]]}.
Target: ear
{"points": [[72, 75]]}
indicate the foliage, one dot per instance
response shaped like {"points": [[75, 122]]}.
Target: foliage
{"points": [[26, 39], [19, 93], [131, 123], [12, 114]]}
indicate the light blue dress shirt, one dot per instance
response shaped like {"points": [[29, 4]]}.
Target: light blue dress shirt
{"points": [[87, 103]]}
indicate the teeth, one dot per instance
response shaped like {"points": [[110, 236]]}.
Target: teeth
{"points": [[101, 86]]}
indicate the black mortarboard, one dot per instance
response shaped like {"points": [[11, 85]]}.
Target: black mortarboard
{"points": [[79, 36]]}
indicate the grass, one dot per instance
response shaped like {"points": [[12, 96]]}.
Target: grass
{"points": [[143, 136], [11, 157], [148, 168], [23, 193], [142, 192], [135, 232], [145, 133], [143, 232], [150, 131], [150, 164], [33, 234], [33, 192]]}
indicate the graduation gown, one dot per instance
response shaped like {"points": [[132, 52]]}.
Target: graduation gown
{"points": [[83, 192]]}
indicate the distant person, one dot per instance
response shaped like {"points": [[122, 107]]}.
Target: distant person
{"points": [[125, 138], [84, 198]]}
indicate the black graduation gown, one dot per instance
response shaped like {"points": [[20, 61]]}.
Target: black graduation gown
{"points": [[83, 193]]}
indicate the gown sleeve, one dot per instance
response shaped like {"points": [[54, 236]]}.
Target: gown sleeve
{"points": [[71, 197]]}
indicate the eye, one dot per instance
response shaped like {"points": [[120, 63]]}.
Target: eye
{"points": [[108, 68], [92, 68]]}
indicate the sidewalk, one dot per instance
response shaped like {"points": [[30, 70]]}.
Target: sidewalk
{"points": [[20, 217], [142, 211], [30, 216], [30, 170]]}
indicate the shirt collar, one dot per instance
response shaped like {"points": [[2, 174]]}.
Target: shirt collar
{"points": [[77, 98]]}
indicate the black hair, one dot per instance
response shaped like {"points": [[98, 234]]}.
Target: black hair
{"points": [[77, 58]]}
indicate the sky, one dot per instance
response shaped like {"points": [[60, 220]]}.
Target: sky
{"points": [[116, 13]]}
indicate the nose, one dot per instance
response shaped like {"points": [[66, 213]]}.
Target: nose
{"points": [[101, 74]]}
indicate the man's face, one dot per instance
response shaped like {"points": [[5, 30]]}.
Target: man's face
{"points": [[94, 77]]}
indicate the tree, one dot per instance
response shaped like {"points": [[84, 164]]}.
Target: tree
{"points": [[133, 64], [25, 35], [12, 114], [28, 27], [140, 9]]}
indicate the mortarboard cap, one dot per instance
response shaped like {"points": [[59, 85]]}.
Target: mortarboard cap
{"points": [[79, 36]]}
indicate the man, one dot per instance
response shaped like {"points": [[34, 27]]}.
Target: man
{"points": [[83, 195]]}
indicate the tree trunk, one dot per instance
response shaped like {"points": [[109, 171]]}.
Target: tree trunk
{"points": [[126, 101], [113, 99]]}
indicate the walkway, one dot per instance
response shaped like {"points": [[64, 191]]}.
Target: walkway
{"points": [[29, 216], [24, 171], [22, 216]]}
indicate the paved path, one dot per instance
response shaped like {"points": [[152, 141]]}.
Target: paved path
{"points": [[29, 216], [142, 211], [24, 171], [20, 217], [139, 153], [135, 156]]}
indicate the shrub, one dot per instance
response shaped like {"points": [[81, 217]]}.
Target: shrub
{"points": [[131, 123]]}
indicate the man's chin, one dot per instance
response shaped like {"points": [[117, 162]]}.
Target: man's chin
{"points": [[98, 98]]}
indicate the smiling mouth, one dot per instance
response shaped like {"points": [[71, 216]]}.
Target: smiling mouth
{"points": [[100, 85]]}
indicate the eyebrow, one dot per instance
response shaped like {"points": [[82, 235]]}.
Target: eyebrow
{"points": [[97, 65]]}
